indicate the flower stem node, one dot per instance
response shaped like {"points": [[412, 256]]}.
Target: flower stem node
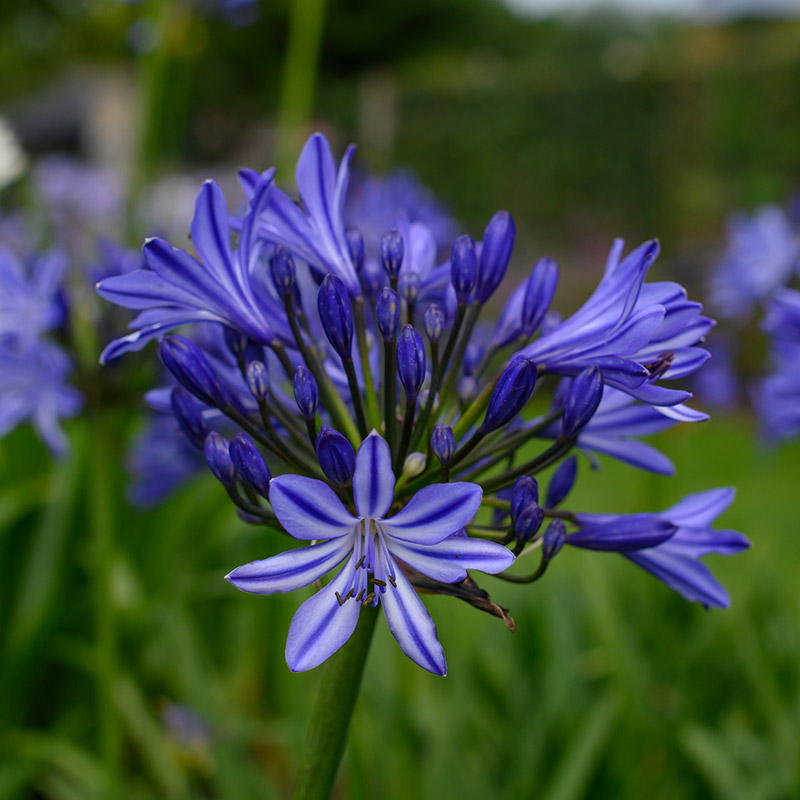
{"points": [[513, 390], [188, 363], [249, 464], [219, 460], [387, 313], [336, 457]]}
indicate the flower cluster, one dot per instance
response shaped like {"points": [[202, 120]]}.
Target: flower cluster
{"points": [[402, 445]]}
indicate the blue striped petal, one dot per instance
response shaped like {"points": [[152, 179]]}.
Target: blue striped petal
{"points": [[308, 508], [321, 626], [412, 626], [434, 513], [290, 570], [211, 235], [632, 532], [449, 560], [373, 481]]}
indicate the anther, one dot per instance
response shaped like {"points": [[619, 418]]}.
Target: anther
{"points": [[339, 599], [393, 581], [369, 598], [348, 595], [361, 561], [379, 582], [360, 595]]}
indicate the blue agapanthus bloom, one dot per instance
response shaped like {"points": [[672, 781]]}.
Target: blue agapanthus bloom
{"points": [[369, 413]]}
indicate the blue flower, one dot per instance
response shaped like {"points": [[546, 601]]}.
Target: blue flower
{"points": [[762, 253], [674, 559], [372, 546]]}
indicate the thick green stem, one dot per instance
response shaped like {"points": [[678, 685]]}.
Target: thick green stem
{"points": [[338, 692]]}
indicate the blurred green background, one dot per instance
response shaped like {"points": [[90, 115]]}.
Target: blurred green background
{"points": [[585, 128]]}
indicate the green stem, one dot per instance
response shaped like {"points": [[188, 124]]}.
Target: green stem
{"points": [[101, 527], [338, 692], [389, 391], [373, 414]]}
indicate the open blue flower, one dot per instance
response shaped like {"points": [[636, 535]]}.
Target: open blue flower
{"points": [[373, 548], [675, 559]]}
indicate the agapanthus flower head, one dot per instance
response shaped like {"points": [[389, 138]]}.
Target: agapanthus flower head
{"points": [[319, 322]]}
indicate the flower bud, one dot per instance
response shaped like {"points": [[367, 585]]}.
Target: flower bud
{"points": [[463, 267], [387, 313], [249, 464], [236, 342], [433, 322], [473, 355], [336, 457], [525, 492], [355, 246], [582, 400], [409, 286], [414, 465], [392, 252], [498, 242], [443, 443], [528, 522], [553, 540], [189, 415], [561, 482], [219, 460], [306, 392], [539, 291], [282, 268], [552, 319], [410, 361], [467, 390], [336, 315], [257, 379], [188, 363], [373, 278], [511, 393]]}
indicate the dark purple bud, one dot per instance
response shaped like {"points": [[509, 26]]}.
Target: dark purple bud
{"points": [[539, 293], [188, 363], [528, 522], [525, 492], [189, 414], [582, 400], [219, 460], [473, 355], [498, 242], [387, 313], [561, 482], [306, 392], [249, 464], [282, 268], [463, 267], [253, 352], [433, 322], [511, 393], [553, 540], [411, 361], [257, 379], [336, 315], [392, 252], [373, 278], [236, 342], [336, 457], [409, 286], [355, 245], [467, 390], [443, 443]]}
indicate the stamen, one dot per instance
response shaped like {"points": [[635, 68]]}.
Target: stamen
{"points": [[360, 595], [369, 598], [380, 583], [348, 595], [393, 581], [339, 599], [361, 561]]}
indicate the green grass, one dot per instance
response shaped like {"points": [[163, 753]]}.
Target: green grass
{"points": [[612, 686]]}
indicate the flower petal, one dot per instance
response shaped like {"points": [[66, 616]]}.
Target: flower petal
{"points": [[321, 626], [449, 560], [211, 235], [290, 570], [700, 509], [435, 512], [622, 534], [412, 626], [373, 481], [308, 508]]}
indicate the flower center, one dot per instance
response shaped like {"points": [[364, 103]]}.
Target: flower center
{"points": [[373, 568]]}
